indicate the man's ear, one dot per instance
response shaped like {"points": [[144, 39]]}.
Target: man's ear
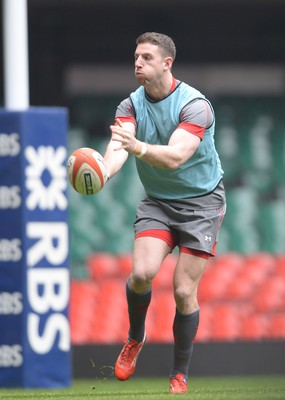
{"points": [[168, 61]]}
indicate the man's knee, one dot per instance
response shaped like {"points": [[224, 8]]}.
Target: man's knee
{"points": [[140, 281], [183, 292]]}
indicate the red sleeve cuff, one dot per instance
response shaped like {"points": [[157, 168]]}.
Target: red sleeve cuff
{"points": [[192, 128], [126, 119]]}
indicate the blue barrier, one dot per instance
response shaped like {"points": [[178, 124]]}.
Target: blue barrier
{"points": [[34, 250]]}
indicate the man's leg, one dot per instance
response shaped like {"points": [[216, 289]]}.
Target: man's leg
{"points": [[137, 308], [187, 275], [149, 254]]}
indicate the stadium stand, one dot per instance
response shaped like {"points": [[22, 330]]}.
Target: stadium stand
{"points": [[242, 294], [242, 297]]}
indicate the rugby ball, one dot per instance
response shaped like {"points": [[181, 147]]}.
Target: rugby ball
{"points": [[86, 171]]}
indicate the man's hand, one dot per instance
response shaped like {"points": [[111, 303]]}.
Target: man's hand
{"points": [[123, 134]]}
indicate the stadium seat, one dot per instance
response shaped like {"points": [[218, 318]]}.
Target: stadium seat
{"points": [[164, 278], [225, 323], [211, 288], [272, 221], [204, 332], [212, 285], [240, 289], [280, 266], [276, 328], [160, 316], [262, 261], [111, 312], [230, 263], [254, 327], [270, 296], [125, 262], [82, 309], [102, 265]]}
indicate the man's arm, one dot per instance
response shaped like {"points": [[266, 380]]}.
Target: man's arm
{"points": [[180, 148], [115, 155]]}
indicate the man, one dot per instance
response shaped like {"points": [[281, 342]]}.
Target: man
{"points": [[169, 127]]}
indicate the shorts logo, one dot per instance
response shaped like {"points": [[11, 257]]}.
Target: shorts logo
{"points": [[208, 238]]}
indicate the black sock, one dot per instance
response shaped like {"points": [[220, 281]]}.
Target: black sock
{"points": [[137, 306], [184, 331]]}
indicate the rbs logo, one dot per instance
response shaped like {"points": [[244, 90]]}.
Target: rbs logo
{"points": [[10, 250], [46, 178], [11, 356], [9, 144], [47, 253], [10, 197]]}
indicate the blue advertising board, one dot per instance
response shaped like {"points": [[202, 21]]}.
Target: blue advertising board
{"points": [[34, 249]]}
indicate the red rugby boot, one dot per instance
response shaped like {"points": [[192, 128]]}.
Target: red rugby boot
{"points": [[126, 362], [178, 384]]}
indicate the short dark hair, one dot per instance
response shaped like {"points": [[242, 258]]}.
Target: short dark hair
{"points": [[161, 40]]}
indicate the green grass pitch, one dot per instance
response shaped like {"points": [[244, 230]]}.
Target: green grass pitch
{"points": [[216, 388]]}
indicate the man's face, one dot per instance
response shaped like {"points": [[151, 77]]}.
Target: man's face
{"points": [[149, 63]]}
